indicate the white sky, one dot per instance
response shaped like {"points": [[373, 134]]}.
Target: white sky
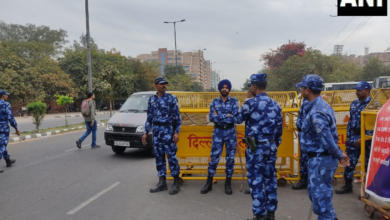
{"points": [[136, 27]]}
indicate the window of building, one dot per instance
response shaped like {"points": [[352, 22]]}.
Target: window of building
{"points": [[170, 59], [170, 64], [186, 67], [178, 58], [149, 60], [187, 71]]}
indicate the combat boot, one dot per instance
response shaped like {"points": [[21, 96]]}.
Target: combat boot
{"points": [[228, 186], [175, 188], [257, 217], [9, 162], [1, 171], [208, 187], [161, 185], [270, 216], [347, 188], [302, 184]]}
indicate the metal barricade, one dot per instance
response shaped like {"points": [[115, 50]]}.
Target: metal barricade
{"points": [[196, 137]]}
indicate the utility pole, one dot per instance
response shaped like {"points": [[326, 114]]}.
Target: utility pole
{"points": [[174, 29], [88, 49]]}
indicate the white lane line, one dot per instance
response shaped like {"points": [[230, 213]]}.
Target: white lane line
{"points": [[82, 205]]}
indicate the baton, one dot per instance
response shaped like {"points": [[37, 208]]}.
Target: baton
{"points": [[239, 155]]}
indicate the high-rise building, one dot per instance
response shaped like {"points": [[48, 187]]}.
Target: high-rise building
{"points": [[193, 63], [215, 79]]}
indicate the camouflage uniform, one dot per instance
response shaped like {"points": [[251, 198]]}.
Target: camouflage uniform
{"points": [[264, 123], [6, 117], [162, 112], [223, 136], [318, 140], [303, 157]]}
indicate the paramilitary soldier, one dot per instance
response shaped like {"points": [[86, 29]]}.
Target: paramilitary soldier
{"points": [[353, 135], [163, 115], [318, 140], [221, 111], [264, 124], [302, 184], [6, 117]]}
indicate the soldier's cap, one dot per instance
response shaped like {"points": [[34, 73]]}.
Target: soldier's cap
{"points": [[362, 85], [311, 81], [257, 77], [160, 80], [3, 92]]}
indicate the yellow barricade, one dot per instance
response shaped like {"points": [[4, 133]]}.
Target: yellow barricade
{"points": [[196, 137]]}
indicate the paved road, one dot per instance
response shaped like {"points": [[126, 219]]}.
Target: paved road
{"points": [[54, 180], [25, 124]]}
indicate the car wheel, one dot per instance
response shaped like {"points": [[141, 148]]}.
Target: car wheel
{"points": [[118, 150]]}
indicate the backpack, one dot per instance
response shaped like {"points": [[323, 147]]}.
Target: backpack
{"points": [[85, 110]]}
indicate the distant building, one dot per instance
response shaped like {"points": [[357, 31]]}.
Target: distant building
{"points": [[193, 63], [362, 60]]}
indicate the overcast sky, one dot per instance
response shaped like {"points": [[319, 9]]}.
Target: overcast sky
{"points": [[235, 33]]}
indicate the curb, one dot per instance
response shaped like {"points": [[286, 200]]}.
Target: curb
{"points": [[72, 116], [46, 134]]}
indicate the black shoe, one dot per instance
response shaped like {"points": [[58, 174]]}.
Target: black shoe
{"points": [[336, 219], [78, 144], [1, 171], [302, 184], [270, 216], [228, 186], [208, 187], [247, 191], [94, 147], [161, 185], [9, 162], [175, 188], [347, 188], [257, 217]]}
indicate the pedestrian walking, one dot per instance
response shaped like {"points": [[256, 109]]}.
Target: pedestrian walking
{"points": [[164, 120], [302, 184], [88, 110], [354, 133], [6, 118], [264, 125], [318, 139], [221, 111]]}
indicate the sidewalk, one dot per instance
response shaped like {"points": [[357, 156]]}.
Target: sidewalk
{"points": [[60, 115]]}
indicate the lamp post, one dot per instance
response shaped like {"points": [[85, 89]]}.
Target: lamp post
{"points": [[88, 49], [174, 29]]}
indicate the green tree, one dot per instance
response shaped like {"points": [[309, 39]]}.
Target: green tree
{"points": [[374, 68], [196, 87], [113, 84], [144, 74], [211, 90], [64, 100], [32, 33], [38, 110], [172, 70]]}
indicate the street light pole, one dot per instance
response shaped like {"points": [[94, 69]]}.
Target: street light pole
{"points": [[88, 49], [174, 29]]}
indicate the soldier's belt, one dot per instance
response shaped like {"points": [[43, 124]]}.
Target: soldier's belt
{"points": [[224, 127], [315, 154], [356, 131], [161, 124]]}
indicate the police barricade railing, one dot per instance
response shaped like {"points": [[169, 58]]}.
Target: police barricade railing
{"points": [[196, 140]]}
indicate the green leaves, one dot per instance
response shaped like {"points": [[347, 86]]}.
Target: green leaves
{"points": [[38, 110], [63, 99]]}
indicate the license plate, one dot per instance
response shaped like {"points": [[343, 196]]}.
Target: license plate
{"points": [[122, 143]]}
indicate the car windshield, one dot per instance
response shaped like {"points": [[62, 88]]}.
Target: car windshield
{"points": [[136, 103]]}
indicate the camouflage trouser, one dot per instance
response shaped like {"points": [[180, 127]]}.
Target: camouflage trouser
{"points": [[261, 173], [4, 136], [163, 144], [353, 153], [303, 163], [320, 188], [220, 137]]}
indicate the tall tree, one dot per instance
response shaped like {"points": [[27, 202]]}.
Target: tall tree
{"points": [[374, 68], [276, 58]]}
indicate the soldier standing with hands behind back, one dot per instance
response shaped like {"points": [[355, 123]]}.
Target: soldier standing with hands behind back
{"points": [[163, 112], [318, 139], [6, 117]]}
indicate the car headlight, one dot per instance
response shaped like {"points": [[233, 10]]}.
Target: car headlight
{"points": [[140, 129], [109, 127]]}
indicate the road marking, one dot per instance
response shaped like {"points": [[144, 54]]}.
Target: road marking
{"points": [[71, 212]]}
